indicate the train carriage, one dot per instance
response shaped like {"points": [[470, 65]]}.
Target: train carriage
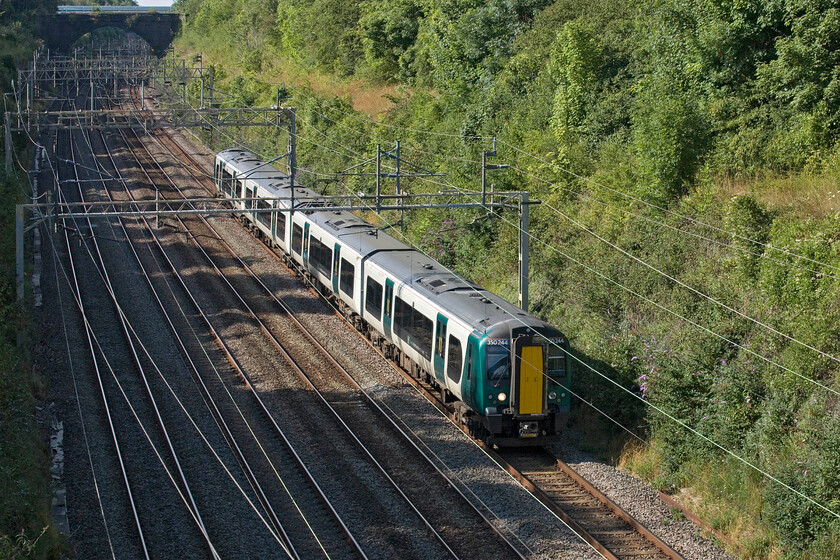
{"points": [[506, 370]]}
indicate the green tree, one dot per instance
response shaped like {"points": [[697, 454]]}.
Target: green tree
{"points": [[670, 136], [575, 65], [388, 35]]}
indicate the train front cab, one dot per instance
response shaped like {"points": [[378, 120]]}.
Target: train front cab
{"points": [[525, 396]]}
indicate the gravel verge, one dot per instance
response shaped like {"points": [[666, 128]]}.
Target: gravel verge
{"points": [[513, 508]]}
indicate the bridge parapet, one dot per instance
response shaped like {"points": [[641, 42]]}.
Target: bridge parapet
{"points": [[59, 31]]}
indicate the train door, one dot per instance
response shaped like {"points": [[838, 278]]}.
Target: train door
{"points": [[335, 271], [389, 300], [440, 347], [469, 394], [529, 379], [305, 254]]}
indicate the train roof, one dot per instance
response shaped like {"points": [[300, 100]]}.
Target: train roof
{"points": [[257, 171], [463, 300], [354, 232], [256, 168]]}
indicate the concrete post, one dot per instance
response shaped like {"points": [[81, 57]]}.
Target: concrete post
{"points": [[399, 191], [19, 251], [19, 267], [524, 247], [292, 159], [378, 177], [8, 144]]}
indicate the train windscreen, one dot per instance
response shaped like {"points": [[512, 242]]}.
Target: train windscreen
{"points": [[498, 364]]}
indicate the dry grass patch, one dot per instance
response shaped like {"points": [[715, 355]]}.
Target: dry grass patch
{"points": [[812, 195], [807, 194], [369, 98]]}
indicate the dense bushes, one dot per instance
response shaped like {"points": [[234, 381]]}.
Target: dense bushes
{"points": [[25, 492], [672, 144]]}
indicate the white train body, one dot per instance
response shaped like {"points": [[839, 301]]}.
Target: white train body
{"points": [[508, 369]]}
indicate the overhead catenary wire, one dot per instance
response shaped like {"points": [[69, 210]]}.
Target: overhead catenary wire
{"points": [[659, 409], [347, 149], [672, 418], [583, 195], [193, 423], [696, 325], [670, 277], [676, 420]]}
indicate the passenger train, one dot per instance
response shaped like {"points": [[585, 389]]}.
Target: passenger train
{"points": [[504, 370]]}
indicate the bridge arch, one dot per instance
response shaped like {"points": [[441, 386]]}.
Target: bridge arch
{"points": [[59, 31]]}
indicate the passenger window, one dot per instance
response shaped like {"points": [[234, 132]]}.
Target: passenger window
{"points": [[297, 238], [498, 363], [413, 327], [440, 349], [556, 363], [320, 256], [348, 277], [373, 297], [281, 225], [455, 361], [264, 216]]}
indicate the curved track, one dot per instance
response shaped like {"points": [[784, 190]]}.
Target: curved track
{"points": [[451, 513], [600, 522]]}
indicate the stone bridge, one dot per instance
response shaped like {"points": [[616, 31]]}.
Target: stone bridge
{"points": [[59, 31]]}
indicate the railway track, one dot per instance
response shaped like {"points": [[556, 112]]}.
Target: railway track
{"points": [[604, 525], [283, 484], [93, 243], [611, 530], [588, 512], [116, 356], [456, 527]]}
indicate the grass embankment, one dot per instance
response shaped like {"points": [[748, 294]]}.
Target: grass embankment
{"points": [[723, 381], [365, 96], [25, 491]]}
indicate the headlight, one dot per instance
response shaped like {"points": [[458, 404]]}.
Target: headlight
{"points": [[502, 397], [552, 395]]}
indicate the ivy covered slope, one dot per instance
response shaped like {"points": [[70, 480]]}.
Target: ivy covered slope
{"points": [[685, 153]]}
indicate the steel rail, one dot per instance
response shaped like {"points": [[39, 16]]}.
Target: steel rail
{"points": [[89, 335], [434, 398], [235, 448], [127, 331], [244, 376], [275, 520], [327, 355], [300, 371]]}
